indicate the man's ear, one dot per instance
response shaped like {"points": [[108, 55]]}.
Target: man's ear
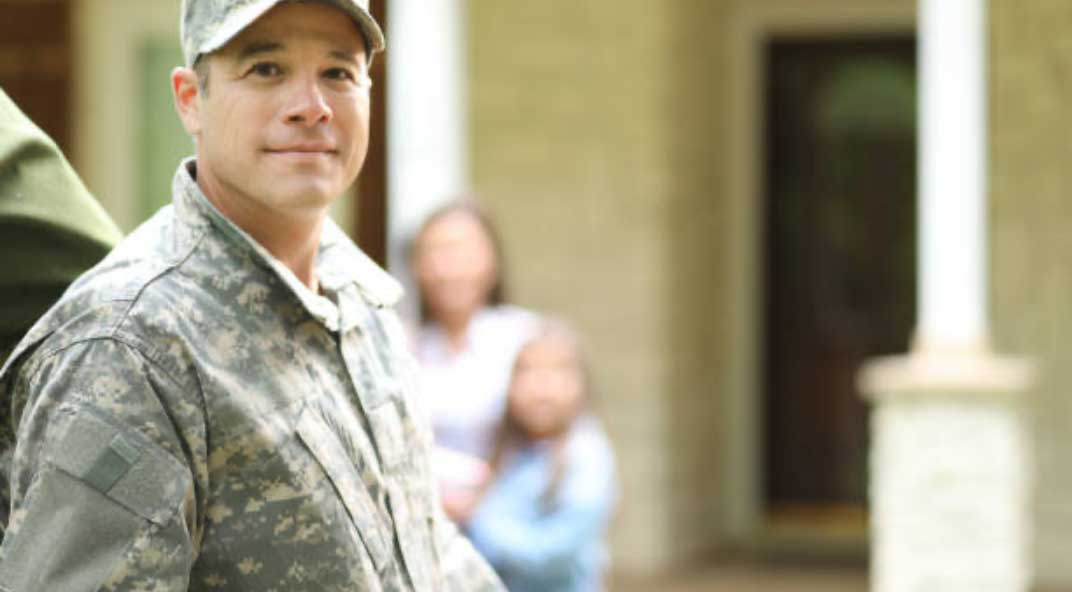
{"points": [[187, 93]]}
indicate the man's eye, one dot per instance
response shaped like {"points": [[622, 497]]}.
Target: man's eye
{"points": [[339, 74], [356, 77], [265, 69]]}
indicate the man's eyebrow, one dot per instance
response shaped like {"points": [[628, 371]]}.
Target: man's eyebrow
{"points": [[259, 47], [345, 56]]}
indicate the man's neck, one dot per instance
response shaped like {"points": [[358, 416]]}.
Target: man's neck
{"points": [[292, 239], [293, 245]]}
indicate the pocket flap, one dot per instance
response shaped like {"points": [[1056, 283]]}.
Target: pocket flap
{"points": [[351, 490], [124, 465]]}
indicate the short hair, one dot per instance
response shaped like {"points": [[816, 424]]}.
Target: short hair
{"points": [[201, 70]]}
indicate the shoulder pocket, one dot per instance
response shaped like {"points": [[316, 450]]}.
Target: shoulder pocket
{"points": [[123, 465], [86, 506], [325, 447]]}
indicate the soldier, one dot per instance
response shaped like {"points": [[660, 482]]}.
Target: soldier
{"points": [[225, 402]]}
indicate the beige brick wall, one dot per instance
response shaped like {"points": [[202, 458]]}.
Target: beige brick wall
{"points": [[1031, 249], [696, 278], [599, 137], [595, 137]]}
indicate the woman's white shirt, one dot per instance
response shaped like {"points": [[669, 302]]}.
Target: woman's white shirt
{"points": [[465, 391]]}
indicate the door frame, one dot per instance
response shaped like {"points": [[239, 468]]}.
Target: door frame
{"points": [[105, 76], [752, 25]]}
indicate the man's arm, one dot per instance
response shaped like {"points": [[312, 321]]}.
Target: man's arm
{"points": [[102, 493], [464, 569]]}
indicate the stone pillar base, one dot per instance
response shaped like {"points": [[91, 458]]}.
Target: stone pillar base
{"points": [[950, 473]]}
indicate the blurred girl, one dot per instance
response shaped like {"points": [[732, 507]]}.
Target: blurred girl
{"points": [[466, 343], [542, 517]]}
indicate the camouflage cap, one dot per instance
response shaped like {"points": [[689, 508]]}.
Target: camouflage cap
{"points": [[208, 25]]}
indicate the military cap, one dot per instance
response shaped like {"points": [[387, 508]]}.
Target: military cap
{"points": [[208, 25]]}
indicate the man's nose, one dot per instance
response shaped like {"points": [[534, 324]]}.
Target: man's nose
{"points": [[308, 105]]}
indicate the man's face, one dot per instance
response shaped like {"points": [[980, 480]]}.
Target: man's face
{"points": [[282, 127]]}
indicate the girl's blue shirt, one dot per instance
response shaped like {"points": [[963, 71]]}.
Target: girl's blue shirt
{"points": [[556, 548]]}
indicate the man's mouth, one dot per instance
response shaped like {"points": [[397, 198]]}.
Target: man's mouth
{"points": [[303, 149]]}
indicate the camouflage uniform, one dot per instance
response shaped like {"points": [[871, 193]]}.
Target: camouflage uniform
{"points": [[194, 418]]}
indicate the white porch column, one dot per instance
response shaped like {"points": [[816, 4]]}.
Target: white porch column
{"points": [[950, 466], [427, 123], [952, 183]]}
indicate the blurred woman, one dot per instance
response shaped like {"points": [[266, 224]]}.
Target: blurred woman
{"points": [[543, 515], [466, 343]]}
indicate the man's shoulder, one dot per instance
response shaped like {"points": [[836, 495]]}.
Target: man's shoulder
{"points": [[109, 301]]}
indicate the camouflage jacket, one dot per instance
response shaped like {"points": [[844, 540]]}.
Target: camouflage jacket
{"points": [[191, 417]]}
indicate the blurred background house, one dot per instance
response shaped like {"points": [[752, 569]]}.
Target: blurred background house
{"points": [[720, 193]]}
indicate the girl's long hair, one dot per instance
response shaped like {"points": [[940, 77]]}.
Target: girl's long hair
{"points": [[510, 435]]}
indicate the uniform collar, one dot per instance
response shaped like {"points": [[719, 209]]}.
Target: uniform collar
{"points": [[339, 262]]}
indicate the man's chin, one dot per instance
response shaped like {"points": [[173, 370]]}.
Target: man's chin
{"points": [[304, 196]]}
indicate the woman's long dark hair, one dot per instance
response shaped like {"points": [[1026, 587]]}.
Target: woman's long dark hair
{"points": [[469, 207]]}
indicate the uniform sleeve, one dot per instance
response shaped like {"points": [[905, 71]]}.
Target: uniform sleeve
{"points": [[464, 569], [102, 495]]}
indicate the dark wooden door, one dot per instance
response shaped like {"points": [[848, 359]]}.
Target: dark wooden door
{"points": [[35, 62], [840, 253]]}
